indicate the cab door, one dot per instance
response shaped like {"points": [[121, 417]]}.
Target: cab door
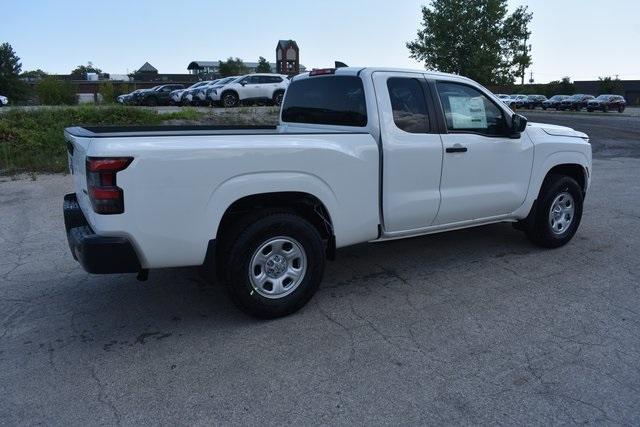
{"points": [[251, 88], [411, 156], [485, 172]]}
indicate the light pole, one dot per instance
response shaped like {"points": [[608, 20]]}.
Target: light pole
{"points": [[525, 50]]}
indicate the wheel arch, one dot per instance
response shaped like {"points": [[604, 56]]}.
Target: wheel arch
{"points": [[305, 194]]}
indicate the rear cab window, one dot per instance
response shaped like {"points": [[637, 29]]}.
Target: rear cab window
{"points": [[326, 100]]}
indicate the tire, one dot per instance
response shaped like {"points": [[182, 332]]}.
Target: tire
{"points": [[230, 100], [621, 108], [151, 102], [548, 229], [605, 108], [590, 110], [544, 108], [278, 97], [253, 276]]}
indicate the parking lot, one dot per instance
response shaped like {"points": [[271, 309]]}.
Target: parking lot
{"points": [[469, 327]]}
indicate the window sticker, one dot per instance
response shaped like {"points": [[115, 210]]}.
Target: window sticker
{"points": [[468, 113]]}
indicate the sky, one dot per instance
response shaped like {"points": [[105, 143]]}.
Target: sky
{"points": [[582, 39]]}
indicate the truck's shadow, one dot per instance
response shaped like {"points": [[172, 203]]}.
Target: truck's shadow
{"points": [[118, 312]]}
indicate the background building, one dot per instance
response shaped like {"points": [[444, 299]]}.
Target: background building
{"points": [[211, 68], [288, 57]]}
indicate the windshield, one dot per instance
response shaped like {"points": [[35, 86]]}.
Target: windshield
{"points": [[225, 81], [576, 97], [559, 97], [603, 97], [195, 85], [237, 79]]}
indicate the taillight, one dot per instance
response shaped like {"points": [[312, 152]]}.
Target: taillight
{"points": [[106, 197]]}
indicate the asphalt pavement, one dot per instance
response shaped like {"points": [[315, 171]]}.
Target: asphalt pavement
{"points": [[468, 327]]}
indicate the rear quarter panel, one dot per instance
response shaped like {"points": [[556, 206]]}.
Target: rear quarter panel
{"points": [[178, 188]]}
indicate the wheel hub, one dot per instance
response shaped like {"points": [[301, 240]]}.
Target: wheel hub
{"points": [[561, 213], [275, 266]]}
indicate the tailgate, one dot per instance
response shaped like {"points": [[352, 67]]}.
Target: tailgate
{"points": [[77, 148]]}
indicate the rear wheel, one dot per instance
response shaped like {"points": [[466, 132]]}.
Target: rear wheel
{"points": [[556, 215], [273, 264]]}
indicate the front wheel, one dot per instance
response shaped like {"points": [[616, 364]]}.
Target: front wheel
{"points": [[230, 100], [605, 108], [556, 214], [277, 98], [621, 108], [274, 265]]}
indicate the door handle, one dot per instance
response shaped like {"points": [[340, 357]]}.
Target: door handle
{"points": [[456, 149]]}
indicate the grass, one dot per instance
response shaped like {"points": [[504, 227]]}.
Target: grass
{"points": [[33, 141]]}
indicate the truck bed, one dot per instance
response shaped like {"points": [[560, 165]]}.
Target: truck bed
{"points": [[138, 131]]}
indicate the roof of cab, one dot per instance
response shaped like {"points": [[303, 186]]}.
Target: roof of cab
{"points": [[355, 71]]}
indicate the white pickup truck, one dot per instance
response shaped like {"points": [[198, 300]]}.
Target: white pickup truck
{"points": [[360, 155]]}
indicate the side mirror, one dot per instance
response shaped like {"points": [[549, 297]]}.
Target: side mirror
{"points": [[243, 83], [518, 123]]}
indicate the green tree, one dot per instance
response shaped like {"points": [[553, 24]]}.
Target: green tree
{"points": [[10, 67], [52, 91], [611, 86], [232, 67], [80, 72], [33, 74], [560, 87], [108, 92], [474, 38], [263, 66]]}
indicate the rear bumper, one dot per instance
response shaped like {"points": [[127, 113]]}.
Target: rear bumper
{"points": [[97, 254]]}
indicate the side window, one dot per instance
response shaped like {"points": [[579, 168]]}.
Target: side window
{"points": [[274, 79], [468, 110], [408, 105]]}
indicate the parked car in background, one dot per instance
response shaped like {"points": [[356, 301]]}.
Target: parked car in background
{"points": [[575, 102], [136, 94], [127, 97], [264, 207], [554, 101], [212, 92], [188, 97], [3, 101], [175, 97], [535, 101], [503, 97], [516, 101], [255, 88], [607, 102], [200, 96], [159, 95]]}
